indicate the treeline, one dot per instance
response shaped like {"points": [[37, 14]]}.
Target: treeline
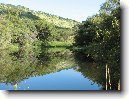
{"points": [[99, 36], [22, 30]]}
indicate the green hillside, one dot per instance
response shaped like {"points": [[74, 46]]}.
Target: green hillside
{"points": [[57, 20], [22, 29], [26, 12]]}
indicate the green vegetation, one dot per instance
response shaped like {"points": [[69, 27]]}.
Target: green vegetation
{"points": [[26, 35], [23, 30], [57, 20], [99, 36]]}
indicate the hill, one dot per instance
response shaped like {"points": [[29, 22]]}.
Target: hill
{"points": [[22, 29], [26, 12]]}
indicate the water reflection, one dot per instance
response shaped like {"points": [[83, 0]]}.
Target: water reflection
{"points": [[107, 76], [52, 69]]}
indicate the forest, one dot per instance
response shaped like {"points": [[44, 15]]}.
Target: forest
{"points": [[25, 33], [99, 36]]}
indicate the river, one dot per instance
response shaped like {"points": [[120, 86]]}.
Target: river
{"points": [[52, 69]]}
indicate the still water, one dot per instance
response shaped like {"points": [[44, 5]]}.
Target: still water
{"points": [[52, 69], [64, 80]]}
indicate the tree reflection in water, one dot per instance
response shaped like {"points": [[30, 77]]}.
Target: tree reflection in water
{"points": [[107, 76], [13, 70]]}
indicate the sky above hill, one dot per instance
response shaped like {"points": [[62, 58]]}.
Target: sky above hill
{"points": [[78, 10]]}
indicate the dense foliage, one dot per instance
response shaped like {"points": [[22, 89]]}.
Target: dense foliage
{"points": [[100, 36], [22, 30]]}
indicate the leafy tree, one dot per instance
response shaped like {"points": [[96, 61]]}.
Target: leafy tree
{"points": [[100, 35]]}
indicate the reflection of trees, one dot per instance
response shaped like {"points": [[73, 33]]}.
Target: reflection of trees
{"points": [[97, 72], [13, 70]]}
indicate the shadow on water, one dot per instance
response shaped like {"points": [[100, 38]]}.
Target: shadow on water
{"points": [[107, 76]]}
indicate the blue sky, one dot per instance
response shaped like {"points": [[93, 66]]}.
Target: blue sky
{"points": [[78, 10]]}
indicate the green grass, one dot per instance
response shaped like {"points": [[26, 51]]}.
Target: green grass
{"points": [[56, 49], [58, 43]]}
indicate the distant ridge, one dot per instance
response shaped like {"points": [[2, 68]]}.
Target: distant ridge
{"points": [[54, 19]]}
